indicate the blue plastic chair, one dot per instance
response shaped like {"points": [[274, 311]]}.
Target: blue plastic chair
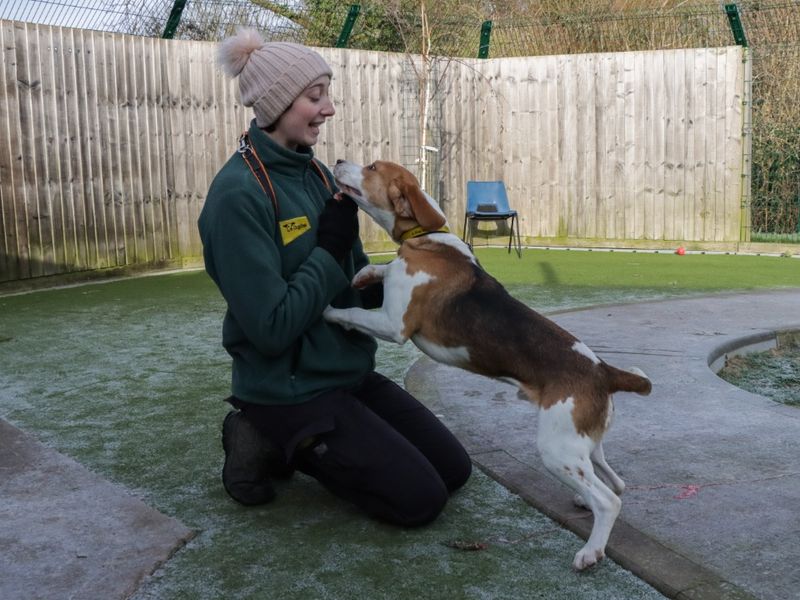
{"points": [[488, 201]]}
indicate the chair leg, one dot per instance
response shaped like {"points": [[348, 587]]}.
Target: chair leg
{"points": [[467, 234], [515, 222]]}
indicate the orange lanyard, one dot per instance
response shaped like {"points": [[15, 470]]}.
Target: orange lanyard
{"points": [[262, 176]]}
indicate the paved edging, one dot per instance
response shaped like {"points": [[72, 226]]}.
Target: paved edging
{"points": [[670, 573], [69, 533]]}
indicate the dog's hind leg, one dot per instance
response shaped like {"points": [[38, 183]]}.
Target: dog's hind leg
{"points": [[605, 471], [567, 455]]}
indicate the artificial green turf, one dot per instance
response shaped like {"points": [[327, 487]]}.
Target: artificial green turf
{"points": [[550, 280], [128, 376], [643, 270]]}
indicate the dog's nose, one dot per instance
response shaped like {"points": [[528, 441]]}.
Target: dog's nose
{"points": [[339, 161]]}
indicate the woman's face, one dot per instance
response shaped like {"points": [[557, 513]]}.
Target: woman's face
{"points": [[299, 125]]}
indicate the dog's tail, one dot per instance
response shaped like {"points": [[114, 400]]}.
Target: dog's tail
{"points": [[633, 380]]}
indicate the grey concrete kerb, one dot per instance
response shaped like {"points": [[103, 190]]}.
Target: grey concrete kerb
{"points": [[66, 532], [713, 472]]}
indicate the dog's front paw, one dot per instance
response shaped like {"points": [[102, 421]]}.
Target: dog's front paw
{"points": [[369, 275], [587, 557], [329, 314], [364, 278]]}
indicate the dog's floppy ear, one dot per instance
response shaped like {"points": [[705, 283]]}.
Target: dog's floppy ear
{"points": [[410, 202]]}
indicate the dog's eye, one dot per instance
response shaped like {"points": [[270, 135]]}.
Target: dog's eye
{"points": [[372, 167]]}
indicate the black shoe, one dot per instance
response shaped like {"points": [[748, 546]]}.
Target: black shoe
{"points": [[249, 461]]}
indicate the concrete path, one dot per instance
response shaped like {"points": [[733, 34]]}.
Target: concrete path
{"points": [[712, 507], [66, 532]]}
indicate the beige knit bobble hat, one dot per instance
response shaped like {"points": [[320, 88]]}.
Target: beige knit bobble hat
{"points": [[271, 75]]}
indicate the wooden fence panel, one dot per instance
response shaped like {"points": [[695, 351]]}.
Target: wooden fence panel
{"points": [[647, 149], [108, 143]]}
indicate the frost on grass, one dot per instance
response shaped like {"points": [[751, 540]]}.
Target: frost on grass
{"points": [[773, 373], [128, 378]]}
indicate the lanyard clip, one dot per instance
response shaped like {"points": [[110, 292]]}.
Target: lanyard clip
{"points": [[244, 146]]}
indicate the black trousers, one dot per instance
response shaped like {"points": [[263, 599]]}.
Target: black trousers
{"points": [[374, 445]]}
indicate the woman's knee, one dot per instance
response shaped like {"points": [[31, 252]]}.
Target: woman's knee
{"points": [[460, 474], [420, 505]]}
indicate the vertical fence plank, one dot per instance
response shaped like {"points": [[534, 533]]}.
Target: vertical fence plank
{"points": [[348, 109], [166, 69], [624, 143], [151, 136], [40, 223], [113, 158], [675, 148], [587, 140], [551, 176], [373, 79], [658, 149], [29, 242], [326, 147], [74, 132], [516, 114], [701, 135], [199, 73], [635, 123], [176, 80], [710, 153], [605, 119], [7, 234], [529, 105], [651, 124], [106, 89], [730, 104], [363, 109], [66, 150], [140, 206], [48, 147], [10, 159], [91, 145], [453, 175], [567, 148], [127, 153]]}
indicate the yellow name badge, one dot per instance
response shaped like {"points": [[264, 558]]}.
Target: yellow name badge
{"points": [[291, 229]]}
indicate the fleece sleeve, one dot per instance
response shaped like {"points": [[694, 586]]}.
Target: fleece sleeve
{"points": [[243, 259]]}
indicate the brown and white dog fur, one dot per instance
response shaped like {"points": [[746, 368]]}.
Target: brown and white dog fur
{"points": [[436, 295]]}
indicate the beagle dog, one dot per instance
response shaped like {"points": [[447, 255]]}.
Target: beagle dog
{"points": [[437, 295]]}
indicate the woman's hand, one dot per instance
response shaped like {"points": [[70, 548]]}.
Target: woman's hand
{"points": [[338, 226]]}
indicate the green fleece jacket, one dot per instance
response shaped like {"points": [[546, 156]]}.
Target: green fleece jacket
{"points": [[283, 351]]}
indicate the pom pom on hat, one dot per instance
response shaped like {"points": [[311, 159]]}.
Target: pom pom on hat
{"points": [[235, 51], [271, 75]]}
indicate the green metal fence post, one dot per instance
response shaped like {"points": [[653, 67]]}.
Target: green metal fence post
{"points": [[486, 36], [739, 37], [347, 29], [736, 25], [174, 19]]}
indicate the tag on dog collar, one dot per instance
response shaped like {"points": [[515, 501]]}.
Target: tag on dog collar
{"points": [[291, 229]]}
